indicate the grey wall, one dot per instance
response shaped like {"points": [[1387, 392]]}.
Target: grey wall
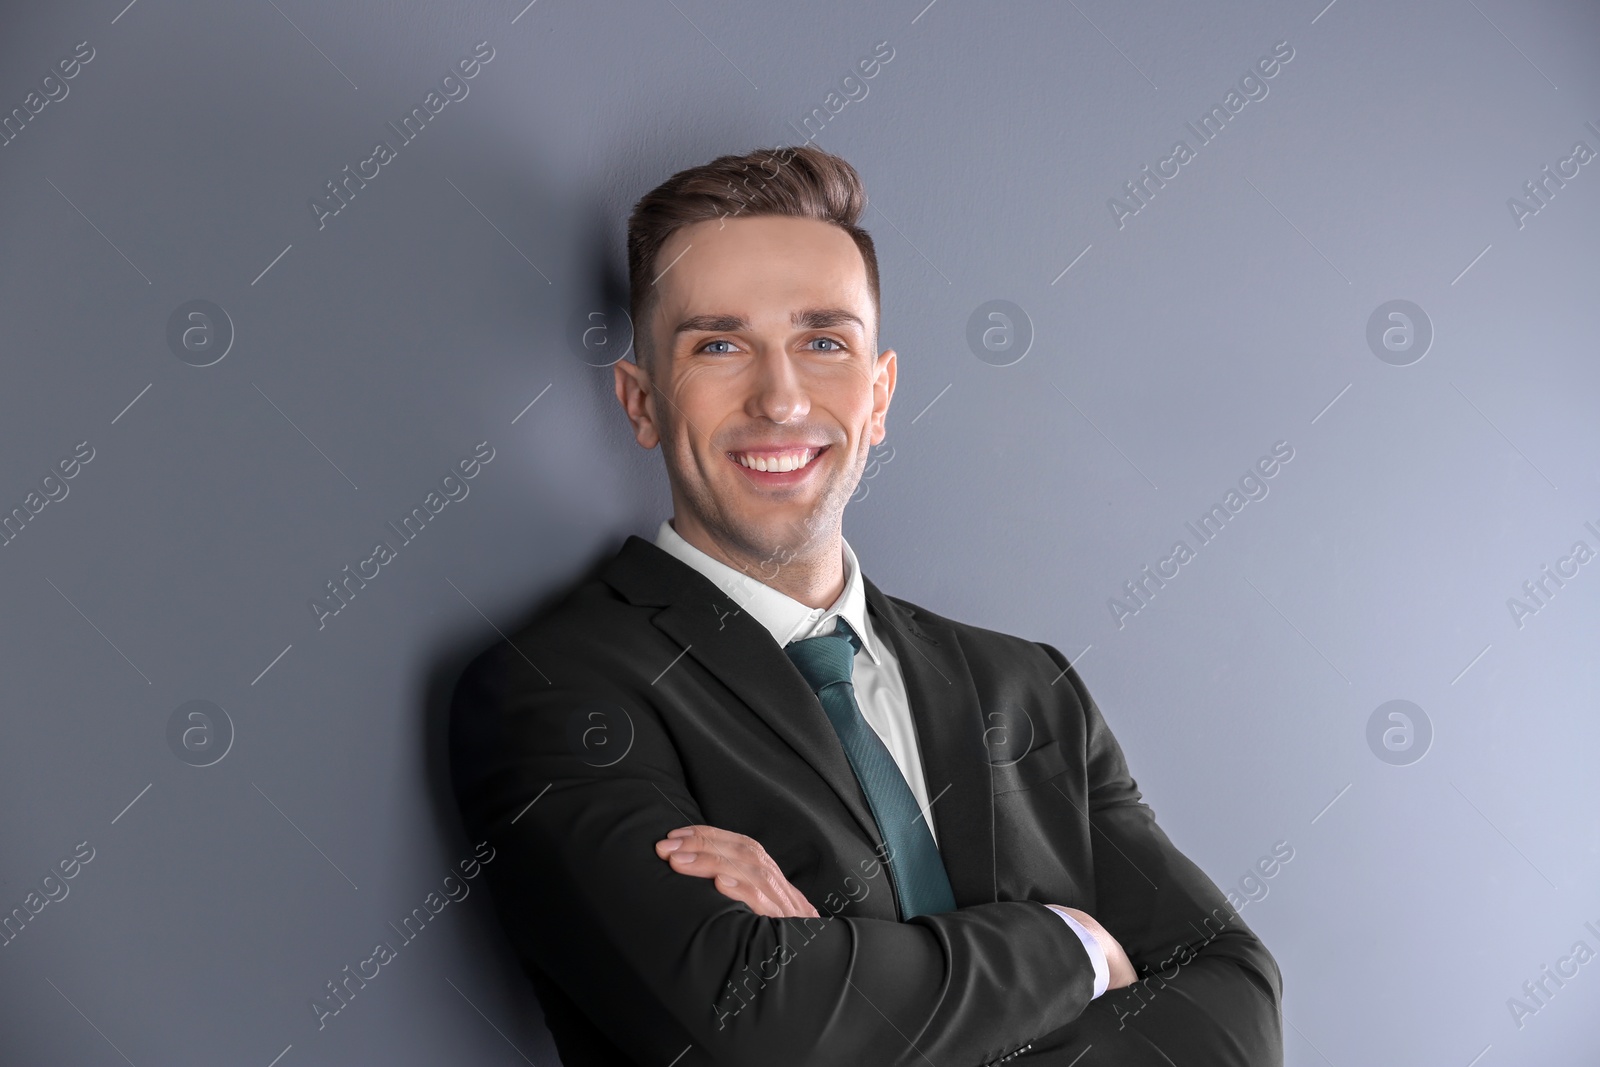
{"points": [[1146, 363]]}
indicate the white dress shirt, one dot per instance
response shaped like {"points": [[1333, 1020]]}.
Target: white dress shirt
{"points": [[879, 686]]}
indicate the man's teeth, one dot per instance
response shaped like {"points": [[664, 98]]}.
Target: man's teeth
{"points": [[789, 461]]}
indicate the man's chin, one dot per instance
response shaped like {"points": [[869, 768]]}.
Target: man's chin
{"points": [[777, 533]]}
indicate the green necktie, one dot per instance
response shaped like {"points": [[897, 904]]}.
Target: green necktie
{"points": [[920, 882]]}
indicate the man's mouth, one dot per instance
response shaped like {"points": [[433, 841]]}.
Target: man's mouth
{"points": [[778, 461]]}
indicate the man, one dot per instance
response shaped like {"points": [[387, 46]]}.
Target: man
{"points": [[747, 808]]}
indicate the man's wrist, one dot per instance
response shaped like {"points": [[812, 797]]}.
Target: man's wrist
{"points": [[1091, 945]]}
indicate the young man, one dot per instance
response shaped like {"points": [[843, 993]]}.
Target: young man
{"points": [[747, 808]]}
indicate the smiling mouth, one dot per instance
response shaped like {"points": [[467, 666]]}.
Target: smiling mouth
{"points": [[784, 462]]}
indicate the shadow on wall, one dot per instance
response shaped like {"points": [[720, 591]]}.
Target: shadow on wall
{"points": [[604, 293], [480, 931]]}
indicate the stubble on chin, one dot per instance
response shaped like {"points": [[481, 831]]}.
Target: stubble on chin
{"points": [[797, 539], [761, 550]]}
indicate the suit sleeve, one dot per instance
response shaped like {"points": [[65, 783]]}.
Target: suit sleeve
{"points": [[665, 964], [1208, 992]]}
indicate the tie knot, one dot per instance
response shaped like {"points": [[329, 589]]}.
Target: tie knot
{"points": [[827, 659]]}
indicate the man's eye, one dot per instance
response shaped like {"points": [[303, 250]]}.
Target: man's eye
{"points": [[828, 340], [707, 347]]}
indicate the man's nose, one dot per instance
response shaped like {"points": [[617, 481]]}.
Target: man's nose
{"points": [[779, 391]]}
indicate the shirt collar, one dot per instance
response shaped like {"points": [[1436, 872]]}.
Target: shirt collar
{"points": [[785, 618]]}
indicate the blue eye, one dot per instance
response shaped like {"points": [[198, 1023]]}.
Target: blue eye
{"points": [[830, 341], [708, 344]]}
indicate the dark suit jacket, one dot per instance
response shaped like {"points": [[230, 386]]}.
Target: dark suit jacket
{"points": [[646, 700]]}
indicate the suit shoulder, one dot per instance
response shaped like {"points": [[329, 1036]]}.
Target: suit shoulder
{"points": [[982, 644]]}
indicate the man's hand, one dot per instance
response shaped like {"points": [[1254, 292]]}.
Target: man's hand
{"points": [[1118, 965], [740, 868]]}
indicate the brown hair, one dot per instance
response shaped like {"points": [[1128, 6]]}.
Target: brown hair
{"points": [[803, 182]]}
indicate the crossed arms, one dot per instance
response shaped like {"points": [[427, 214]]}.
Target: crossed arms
{"points": [[589, 894], [742, 871]]}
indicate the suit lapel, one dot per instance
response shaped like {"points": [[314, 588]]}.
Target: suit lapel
{"points": [[740, 653], [950, 734]]}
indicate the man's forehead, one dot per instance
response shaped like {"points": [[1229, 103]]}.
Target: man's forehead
{"points": [[763, 266]]}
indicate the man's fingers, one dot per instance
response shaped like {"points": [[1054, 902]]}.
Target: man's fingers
{"points": [[732, 886], [739, 867]]}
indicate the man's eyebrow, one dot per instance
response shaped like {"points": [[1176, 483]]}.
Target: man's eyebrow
{"points": [[711, 324], [805, 319], [822, 318]]}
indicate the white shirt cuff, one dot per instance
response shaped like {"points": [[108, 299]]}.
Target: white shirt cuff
{"points": [[1097, 955]]}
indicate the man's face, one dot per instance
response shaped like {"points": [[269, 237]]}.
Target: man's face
{"points": [[762, 355]]}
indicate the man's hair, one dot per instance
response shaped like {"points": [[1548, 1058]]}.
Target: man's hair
{"points": [[803, 182]]}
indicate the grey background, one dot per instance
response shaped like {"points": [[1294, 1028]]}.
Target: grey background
{"points": [[1229, 314]]}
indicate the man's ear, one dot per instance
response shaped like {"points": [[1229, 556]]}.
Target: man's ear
{"points": [[882, 393], [635, 393]]}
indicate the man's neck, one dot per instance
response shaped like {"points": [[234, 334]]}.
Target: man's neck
{"points": [[814, 577]]}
